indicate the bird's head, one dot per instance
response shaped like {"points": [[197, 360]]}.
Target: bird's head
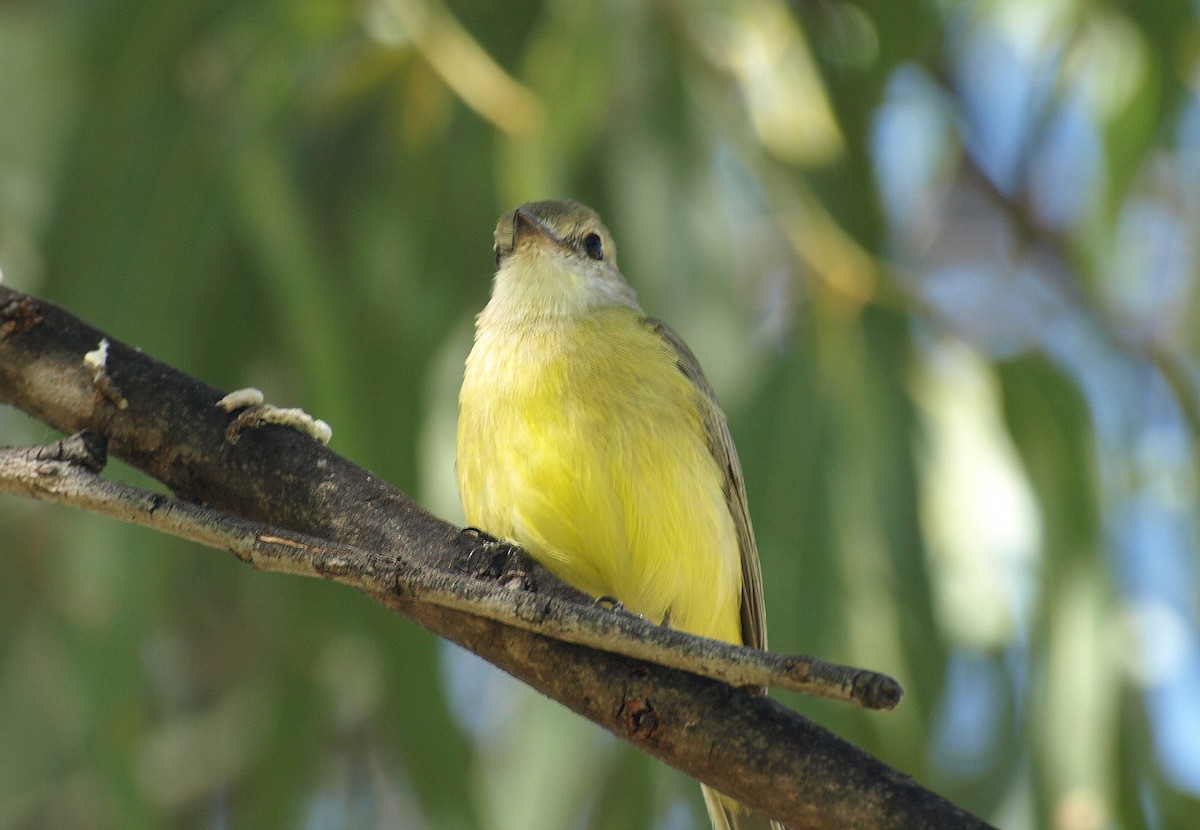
{"points": [[556, 257]]}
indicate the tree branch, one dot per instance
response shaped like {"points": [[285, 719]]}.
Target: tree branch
{"points": [[67, 471], [167, 425]]}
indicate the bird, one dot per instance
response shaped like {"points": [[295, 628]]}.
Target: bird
{"points": [[589, 435]]}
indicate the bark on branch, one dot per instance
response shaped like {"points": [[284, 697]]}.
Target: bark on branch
{"points": [[166, 424]]}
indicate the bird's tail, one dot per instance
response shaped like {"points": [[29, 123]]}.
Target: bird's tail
{"points": [[727, 814]]}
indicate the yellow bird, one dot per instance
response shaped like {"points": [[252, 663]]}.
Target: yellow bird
{"points": [[588, 434]]}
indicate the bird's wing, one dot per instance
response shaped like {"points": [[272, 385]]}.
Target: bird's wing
{"points": [[720, 444]]}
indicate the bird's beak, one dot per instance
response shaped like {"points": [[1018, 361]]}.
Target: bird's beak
{"points": [[528, 229]]}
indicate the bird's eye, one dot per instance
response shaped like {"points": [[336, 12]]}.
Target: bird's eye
{"points": [[496, 251], [594, 247]]}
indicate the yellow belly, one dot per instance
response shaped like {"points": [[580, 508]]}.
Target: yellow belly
{"points": [[584, 443]]}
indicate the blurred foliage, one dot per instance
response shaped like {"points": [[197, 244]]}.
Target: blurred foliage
{"points": [[939, 259]]}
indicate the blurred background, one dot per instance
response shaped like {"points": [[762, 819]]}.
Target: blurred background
{"points": [[939, 260]]}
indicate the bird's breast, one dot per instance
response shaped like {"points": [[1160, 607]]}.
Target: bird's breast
{"points": [[582, 441]]}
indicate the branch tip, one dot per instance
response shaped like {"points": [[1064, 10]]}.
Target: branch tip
{"points": [[877, 691]]}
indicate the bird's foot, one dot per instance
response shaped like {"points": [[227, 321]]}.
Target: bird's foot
{"points": [[496, 560], [610, 603]]}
